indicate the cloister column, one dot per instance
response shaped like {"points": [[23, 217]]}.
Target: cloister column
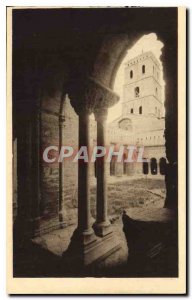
{"points": [[102, 224], [84, 216], [90, 96]]}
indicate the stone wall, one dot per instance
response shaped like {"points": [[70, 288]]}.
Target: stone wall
{"points": [[50, 171], [70, 168]]}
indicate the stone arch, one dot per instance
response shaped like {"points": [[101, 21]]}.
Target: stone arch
{"points": [[96, 84], [126, 124], [94, 79], [113, 50], [116, 47]]}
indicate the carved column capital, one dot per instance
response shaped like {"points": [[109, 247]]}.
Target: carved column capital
{"points": [[101, 114], [89, 96]]}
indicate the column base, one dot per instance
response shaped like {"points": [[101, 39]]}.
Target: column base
{"points": [[85, 250], [83, 238], [102, 228], [77, 254], [104, 247]]}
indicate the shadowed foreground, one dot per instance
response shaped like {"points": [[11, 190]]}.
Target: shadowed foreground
{"points": [[151, 251], [152, 248]]}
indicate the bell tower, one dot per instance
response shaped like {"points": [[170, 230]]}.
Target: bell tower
{"points": [[142, 91]]}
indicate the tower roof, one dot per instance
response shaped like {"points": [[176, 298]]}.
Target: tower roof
{"points": [[143, 56]]}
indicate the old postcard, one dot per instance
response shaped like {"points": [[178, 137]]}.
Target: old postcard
{"points": [[96, 138]]}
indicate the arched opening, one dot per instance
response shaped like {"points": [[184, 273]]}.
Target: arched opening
{"points": [[144, 131], [137, 90], [126, 124], [125, 164], [49, 184], [153, 166], [113, 166], [145, 168], [162, 165]]}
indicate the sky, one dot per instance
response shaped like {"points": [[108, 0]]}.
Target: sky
{"points": [[146, 43]]}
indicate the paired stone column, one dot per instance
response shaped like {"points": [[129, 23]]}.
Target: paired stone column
{"points": [[84, 216], [90, 96], [102, 224]]}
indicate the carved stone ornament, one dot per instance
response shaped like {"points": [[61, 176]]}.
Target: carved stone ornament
{"points": [[90, 95]]}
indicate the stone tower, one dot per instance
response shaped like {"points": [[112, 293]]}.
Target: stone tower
{"points": [[142, 91]]}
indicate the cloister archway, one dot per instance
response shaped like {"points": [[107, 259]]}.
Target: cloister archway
{"points": [[89, 82]]}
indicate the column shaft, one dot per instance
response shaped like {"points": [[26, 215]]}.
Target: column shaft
{"points": [[83, 177], [102, 222], [101, 175]]}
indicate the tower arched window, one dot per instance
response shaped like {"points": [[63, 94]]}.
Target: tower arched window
{"points": [[131, 110], [137, 91], [131, 74], [140, 110], [143, 69]]}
